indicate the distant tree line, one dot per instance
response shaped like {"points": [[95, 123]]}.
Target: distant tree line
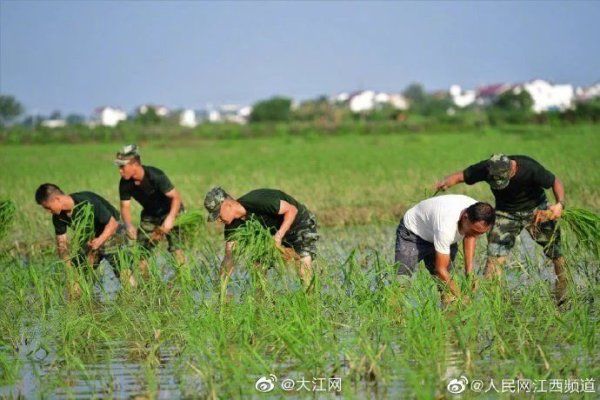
{"points": [[511, 107]]}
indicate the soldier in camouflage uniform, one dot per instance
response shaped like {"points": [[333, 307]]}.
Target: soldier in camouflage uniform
{"points": [[98, 241], [293, 226], [518, 184], [161, 204]]}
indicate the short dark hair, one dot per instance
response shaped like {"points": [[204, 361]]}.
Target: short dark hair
{"points": [[481, 212], [46, 190]]}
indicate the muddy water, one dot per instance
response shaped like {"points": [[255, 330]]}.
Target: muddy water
{"points": [[119, 375]]}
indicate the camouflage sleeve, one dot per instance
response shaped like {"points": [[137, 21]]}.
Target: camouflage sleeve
{"points": [[476, 173]]}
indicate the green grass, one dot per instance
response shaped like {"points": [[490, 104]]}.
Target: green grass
{"points": [[383, 336]]}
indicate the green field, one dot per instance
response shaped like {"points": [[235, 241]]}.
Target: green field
{"points": [[179, 334]]}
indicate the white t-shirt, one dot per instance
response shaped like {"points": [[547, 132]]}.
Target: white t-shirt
{"points": [[436, 220]]}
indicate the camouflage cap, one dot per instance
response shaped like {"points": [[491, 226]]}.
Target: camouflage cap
{"points": [[126, 154], [499, 171], [213, 200]]}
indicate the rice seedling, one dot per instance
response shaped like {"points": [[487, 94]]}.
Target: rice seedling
{"points": [[255, 246], [7, 214], [383, 337], [584, 225]]}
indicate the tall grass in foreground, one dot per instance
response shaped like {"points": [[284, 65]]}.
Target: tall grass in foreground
{"points": [[381, 336], [7, 214], [384, 338]]}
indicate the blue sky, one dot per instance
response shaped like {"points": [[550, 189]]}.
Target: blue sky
{"points": [[75, 56]]}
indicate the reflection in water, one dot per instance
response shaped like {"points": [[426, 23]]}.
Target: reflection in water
{"points": [[120, 370]]}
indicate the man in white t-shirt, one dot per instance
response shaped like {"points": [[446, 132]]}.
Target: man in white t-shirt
{"points": [[431, 230]]}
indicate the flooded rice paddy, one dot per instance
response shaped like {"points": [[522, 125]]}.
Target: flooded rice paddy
{"points": [[362, 333]]}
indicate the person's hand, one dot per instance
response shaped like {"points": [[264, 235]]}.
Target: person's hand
{"points": [[95, 244], [542, 216], [167, 225], [442, 185], [157, 235], [556, 211], [131, 232]]}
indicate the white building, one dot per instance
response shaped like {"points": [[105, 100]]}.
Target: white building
{"points": [[462, 98], [161, 111], [486, 95], [340, 98], [587, 93], [368, 100], [54, 123], [549, 97], [230, 113], [109, 116], [187, 118], [362, 101], [398, 101]]}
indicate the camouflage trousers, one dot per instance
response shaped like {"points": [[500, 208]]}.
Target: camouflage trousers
{"points": [[304, 238], [148, 224], [501, 239]]}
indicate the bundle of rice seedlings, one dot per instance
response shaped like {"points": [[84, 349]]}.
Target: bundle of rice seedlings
{"points": [[7, 213], [191, 220], [583, 225], [255, 244], [82, 226]]}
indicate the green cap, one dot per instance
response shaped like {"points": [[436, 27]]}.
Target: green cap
{"points": [[499, 171], [126, 154], [213, 200]]}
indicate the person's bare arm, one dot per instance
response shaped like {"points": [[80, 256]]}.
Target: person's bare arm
{"points": [[109, 230], [559, 194], [289, 213], [227, 263], [469, 250], [450, 180], [554, 211], [169, 221], [126, 216], [62, 248], [442, 262]]}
